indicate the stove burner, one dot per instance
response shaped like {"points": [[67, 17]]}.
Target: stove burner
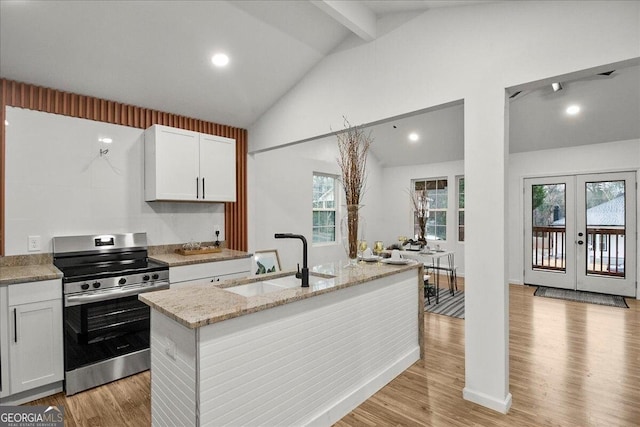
{"points": [[90, 263]]}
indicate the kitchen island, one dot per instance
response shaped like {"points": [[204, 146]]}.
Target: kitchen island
{"points": [[264, 351]]}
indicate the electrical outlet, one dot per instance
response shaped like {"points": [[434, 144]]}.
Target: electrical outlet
{"points": [[170, 349], [34, 243]]}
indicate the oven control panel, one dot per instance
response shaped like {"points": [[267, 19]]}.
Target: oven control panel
{"points": [[150, 278]]}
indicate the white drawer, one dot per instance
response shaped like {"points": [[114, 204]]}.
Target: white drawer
{"points": [[184, 273], [211, 280], [25, 293]]}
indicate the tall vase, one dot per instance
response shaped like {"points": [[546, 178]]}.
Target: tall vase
{"points": [[351, 228], [422, 224]]}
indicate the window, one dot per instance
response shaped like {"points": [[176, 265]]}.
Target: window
{"points": [[324, 208], [437, 193], [461, 209]]}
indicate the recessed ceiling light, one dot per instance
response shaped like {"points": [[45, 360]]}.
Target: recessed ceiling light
{"points": [[220, 59], [573, 110], [106, 140], [413, 136]]}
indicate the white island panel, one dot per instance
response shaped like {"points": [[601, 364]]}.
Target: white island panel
{"points": [[173, 371], [309, 362]]}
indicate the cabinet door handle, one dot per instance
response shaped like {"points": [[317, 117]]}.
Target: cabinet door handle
{"points": [[15, 325], [197, 188], [202, 188]]}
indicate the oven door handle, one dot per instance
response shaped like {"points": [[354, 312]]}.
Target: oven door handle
{"points": [[71, 300]]}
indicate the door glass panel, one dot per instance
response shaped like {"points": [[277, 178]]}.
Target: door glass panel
{"points": [[605, 219], [548, 227]]}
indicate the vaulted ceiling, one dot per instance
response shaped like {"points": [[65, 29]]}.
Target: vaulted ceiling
{"points": [[156, 54], [609, 110]]}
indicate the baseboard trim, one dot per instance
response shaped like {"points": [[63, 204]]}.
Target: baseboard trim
{"points": [[33, 394], [341, 408], [499, 405]]}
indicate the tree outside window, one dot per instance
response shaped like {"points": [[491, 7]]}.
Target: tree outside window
{"points": [[324, 208]]}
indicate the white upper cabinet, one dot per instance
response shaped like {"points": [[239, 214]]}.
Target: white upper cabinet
{"points": [[218, 168], [188, 166], [171, 164]]}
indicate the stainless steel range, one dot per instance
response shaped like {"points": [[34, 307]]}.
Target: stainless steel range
{"points": [[106, 328]]}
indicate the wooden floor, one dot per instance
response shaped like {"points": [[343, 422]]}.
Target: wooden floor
{"points": [[126, 402], [571, 364]]}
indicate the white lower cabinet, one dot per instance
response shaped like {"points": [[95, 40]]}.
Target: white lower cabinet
{"points": [[34, 336], [4, 343], [212, 272], [36, 345]]}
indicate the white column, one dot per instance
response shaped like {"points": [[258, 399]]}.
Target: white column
{"points": [[486, 285]]}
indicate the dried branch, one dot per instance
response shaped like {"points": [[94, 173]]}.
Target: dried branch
{"points": [[353, 145], [420, 203]]}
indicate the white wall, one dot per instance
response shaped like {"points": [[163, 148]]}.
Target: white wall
{"points": [[608, 157], [398, 211], [280, 199], [58, 184], [442, 54], [471, 53]]}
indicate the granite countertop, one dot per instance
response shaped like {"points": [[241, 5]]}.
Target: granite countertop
{"points": [[202, 304], [28, 273], [34, 268], [175, 260]]}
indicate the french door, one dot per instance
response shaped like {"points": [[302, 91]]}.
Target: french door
{"points": [[580, 232]]}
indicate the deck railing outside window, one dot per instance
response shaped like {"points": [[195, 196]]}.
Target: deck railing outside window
{"points": [[605, 249], [549, 245]]}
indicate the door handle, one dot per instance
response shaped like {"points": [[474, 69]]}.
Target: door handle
{"points": [[202, 188], [197, 188], [580, 242]]}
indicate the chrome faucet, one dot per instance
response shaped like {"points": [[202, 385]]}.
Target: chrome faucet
{"points": [[304, 274]]}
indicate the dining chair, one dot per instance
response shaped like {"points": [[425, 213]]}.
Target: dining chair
{"points": [[452, 270], [429, 290]]}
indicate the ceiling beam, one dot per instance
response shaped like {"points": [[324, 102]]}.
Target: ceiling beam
{"points": [[354, 15]]}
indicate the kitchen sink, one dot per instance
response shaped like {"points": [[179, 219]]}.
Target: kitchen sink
{"points": [[279, 284], [253, 289], [294, 282]]}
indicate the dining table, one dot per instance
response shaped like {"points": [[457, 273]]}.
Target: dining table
{"points": [[426, 255]]}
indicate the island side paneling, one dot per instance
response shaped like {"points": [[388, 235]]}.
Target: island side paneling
{"points": [[173, 372], [309, 362]]}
